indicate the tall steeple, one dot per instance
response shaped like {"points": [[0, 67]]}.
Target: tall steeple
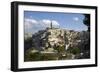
{"points": [[51, 25]]}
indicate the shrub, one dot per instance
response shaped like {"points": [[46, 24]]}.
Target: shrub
{"points": [[60, 48], [75, 51], [32, 56]]}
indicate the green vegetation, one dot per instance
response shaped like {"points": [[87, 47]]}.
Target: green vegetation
{"points": [[37, 56], [59, 48], [86, 21], [28, 40], [34, 55], [28, 43], [74, 50], [48, 56]]}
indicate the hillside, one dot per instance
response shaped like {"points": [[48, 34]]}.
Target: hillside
{"points": [[62, 44]]}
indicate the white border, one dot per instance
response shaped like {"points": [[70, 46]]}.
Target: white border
{"points": [[22, 64]]}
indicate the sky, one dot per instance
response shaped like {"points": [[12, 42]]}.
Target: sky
{"points": [[35, 21]]}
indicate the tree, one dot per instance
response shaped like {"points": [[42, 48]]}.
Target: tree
{"points": [[28, 43], [86, 21]]}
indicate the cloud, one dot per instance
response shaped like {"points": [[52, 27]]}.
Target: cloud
{"points": [[32, 25], [46, 23], [29, 23], [76, 19], [55, 23]]}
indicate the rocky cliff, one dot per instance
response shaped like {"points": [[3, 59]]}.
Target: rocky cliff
{"points": [[50, 38], [60, 44]]}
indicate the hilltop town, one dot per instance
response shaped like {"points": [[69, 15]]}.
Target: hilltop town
{"points": [[57, 44]]}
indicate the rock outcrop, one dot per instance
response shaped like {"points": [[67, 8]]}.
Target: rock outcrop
{"points": [[49, 38], [57, 44]]}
